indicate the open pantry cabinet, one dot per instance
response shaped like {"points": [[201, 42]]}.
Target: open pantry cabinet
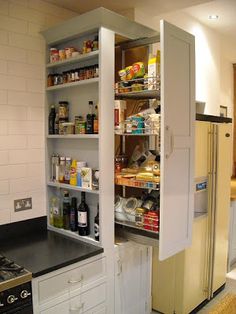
{"points": [[172, 138]]}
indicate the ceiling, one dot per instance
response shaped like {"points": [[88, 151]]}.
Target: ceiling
{"points": [[199, 9]]}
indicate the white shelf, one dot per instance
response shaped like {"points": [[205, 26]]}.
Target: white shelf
{"points": [[74, 136], [72, 60], [73, 84], [74, 235], [71, 187]]}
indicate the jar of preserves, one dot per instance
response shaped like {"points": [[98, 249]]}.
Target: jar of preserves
{"points": [[50, 80], [139, 216], [80, 125], [54, 55], [63, 110]]}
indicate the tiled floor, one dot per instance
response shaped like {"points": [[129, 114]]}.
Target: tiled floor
{"points": [[229, 287]]}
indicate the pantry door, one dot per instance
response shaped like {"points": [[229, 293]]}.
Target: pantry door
{"points": [[177, 138]]}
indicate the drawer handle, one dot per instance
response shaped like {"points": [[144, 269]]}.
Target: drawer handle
{"points": [[76, 308], [72, 281]]}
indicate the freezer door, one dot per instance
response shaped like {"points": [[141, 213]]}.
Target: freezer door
{"points": [[177, 138], [222, 203]]}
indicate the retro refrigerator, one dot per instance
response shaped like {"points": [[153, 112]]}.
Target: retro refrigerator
{"points": [[195, 274]]}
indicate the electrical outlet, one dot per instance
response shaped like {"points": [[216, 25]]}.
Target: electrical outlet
{"points": [[23, 204]]}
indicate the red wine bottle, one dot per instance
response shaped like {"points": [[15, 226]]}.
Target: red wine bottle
{"points": [[83, 217]]}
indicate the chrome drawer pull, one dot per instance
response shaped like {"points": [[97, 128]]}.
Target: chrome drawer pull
{"points": [[72, 281]]}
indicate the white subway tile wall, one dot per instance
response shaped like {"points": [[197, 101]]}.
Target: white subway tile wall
{"points": [[22, 81]]}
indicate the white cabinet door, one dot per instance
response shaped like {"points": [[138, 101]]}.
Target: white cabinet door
{"points": [[132, 279], [177, 138]]}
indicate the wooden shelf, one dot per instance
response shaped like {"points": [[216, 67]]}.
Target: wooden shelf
{"points": [[72, 60], [73, 84], [74, 136], [145, 94], [71, 187]]}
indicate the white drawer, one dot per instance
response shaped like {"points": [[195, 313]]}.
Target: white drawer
{"points": [[68, 281], [87, 303]]}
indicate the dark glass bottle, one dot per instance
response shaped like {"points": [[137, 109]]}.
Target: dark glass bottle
{"points": [[83, 217], [96, 225], [51, 120], [66, 211], [90, 119], [73, 215]]}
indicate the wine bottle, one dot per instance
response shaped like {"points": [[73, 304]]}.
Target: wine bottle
{"points": [[73, 215], [89, 119], [51, 120], [96, 225], [83, 217], [66, 211]]}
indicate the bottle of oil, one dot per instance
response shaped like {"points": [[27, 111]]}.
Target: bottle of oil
{"points": [[56, 210]]}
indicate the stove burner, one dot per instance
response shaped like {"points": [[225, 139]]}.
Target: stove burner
{"points": [[9, 270]]}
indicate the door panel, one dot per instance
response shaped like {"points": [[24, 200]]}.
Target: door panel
{"points": [[224, 166], [177, 138]]}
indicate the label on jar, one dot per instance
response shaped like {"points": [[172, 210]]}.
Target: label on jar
{"points": [[82, 219], [55, 211]]}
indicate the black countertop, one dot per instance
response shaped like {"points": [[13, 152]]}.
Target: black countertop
{"points": [[210, 118], [46, 251]]}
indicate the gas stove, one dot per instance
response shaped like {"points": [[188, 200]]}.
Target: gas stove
{"points": [[15, 288]]}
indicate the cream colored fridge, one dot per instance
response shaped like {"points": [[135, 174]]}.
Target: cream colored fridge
{"points": [[196, 273]]}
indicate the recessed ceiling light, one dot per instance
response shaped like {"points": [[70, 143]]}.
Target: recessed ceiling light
{"points": [[213, 17]]}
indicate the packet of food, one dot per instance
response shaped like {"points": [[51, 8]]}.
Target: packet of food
{"points": [[129, 73], [122, 74], [138, 69]]}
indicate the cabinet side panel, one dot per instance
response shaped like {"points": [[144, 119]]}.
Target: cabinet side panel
{"points": [[177, 138]]}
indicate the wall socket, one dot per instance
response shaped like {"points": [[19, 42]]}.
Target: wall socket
{"points": [[23, 204]]}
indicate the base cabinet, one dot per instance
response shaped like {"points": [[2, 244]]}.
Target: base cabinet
{"points": [[179, 283], [132, 280], [78, 288]]}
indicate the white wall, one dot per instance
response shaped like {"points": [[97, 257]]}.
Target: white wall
{"points": [[214, 71], [22, 59]]}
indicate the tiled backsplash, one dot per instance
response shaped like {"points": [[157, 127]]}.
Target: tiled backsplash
{"points": [[22, 68]]}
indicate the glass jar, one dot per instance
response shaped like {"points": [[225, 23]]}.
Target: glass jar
{"points": [[63, 110], [50, 80], [139, 216]]}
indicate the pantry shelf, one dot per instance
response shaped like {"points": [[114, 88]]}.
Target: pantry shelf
{"points": [[71, 187], [145, 94], [74, 136], [150, 185], [73, 84], [74, 235], [130, 224], [130, 134], [72, 60]]}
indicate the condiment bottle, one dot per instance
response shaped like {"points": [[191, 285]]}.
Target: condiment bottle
{"points": [[66, 211], [62, 169], [73, 175]]}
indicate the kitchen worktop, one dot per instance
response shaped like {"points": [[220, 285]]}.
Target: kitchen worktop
{"points": [[44, 251]]}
